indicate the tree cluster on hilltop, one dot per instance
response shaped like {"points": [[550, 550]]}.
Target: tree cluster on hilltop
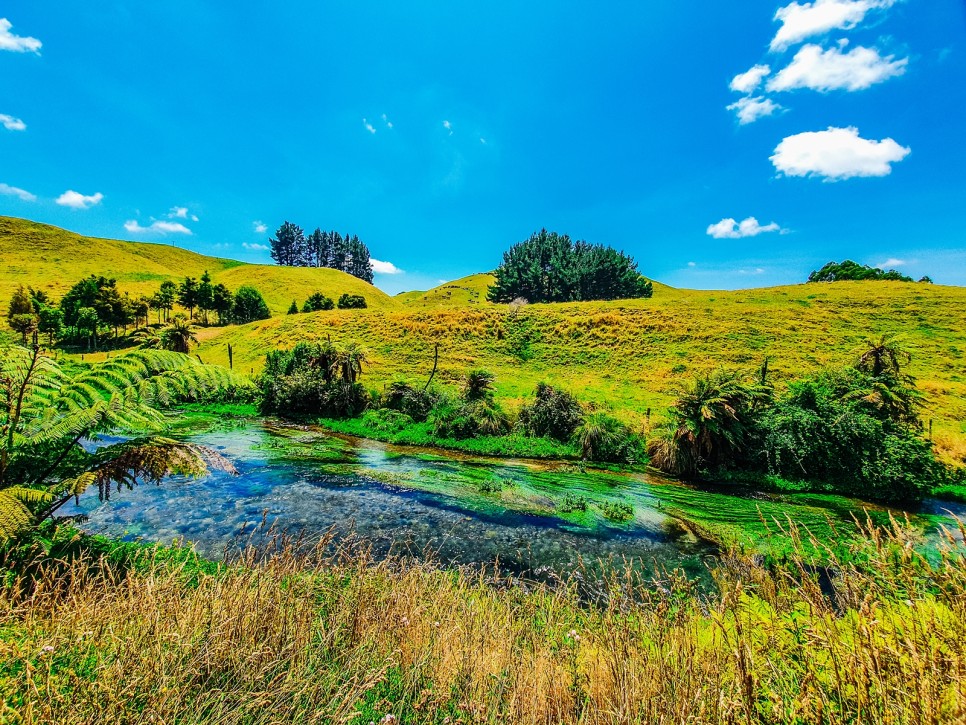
{"points": [[549, 267], [849, 270], [292, 248]]}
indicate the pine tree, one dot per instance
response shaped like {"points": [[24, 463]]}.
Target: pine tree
{"points": [[293, 308], [288, 245]]}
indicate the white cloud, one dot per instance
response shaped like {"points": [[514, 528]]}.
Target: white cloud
{"points": [[368, 126], [9, 41], [258, 247], [892, 263], [448, 126], [76, 200], [21, 194], [12, 124], [801, 21], [829, 70], [482, 140], [731, 229], [756, 270], [749, 109], [838, 153], [385, 120], [692, 264], [749, 80], [259, 227], [157, 227], [385, 267], [178, 212]]}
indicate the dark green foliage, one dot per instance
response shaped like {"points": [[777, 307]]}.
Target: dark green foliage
{"points": [[290, 247], [313, 379], [206, 296], [478, 385], [99, 294], [293, 309], [554, 414], [852, 431], [604, 438], [351, 302], [188, 295], [317, 302], [406, 399], [222, 301], [470, 419], [710, 424], [50, 322], [249, 306], [549, 267], [849, 270]]}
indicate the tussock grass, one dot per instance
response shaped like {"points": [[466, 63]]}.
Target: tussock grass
{"points": [[281, 636]]}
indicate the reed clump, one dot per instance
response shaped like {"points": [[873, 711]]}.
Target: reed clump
{"points": [[281, 635]]}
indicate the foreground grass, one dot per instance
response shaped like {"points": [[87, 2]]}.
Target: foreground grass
{"points": [[282, 637]]}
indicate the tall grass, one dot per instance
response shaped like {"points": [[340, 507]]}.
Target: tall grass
{"points": [[279, 636]]}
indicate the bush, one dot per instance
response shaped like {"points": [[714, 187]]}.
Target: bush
{"points": [[249, 306], [604, 438], [554, 414], [853, 432], [352, 302], [470, 420], [311, 379], [404, 398], [318, 302]]}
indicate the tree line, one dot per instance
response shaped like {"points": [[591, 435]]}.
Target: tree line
{"points": [[94, 307], [849, 270], [550, 267], [292, 248]]}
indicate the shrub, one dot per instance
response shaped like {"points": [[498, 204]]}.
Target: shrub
{"points": [[415, 403], [351, 302], [604, 438], [249, 306], [313, 379], [470, 420], [554, 414], [318, 302]]}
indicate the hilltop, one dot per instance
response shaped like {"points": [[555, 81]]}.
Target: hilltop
{"points": [[471, 291], [53, 259]]}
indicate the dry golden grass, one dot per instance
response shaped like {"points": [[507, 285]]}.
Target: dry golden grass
{"points": [[291, 638]]}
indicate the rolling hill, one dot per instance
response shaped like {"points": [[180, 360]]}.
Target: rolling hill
{"points": [[629, 355], [53, 259]]}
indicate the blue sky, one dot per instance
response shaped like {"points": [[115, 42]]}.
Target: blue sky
{"points": [[442, 133]]}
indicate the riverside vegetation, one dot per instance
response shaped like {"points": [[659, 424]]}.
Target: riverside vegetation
{"points": [[857, 623]]}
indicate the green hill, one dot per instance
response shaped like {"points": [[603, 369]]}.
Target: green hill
{"points": [[53, 259], [471, 290], [628, 355]]}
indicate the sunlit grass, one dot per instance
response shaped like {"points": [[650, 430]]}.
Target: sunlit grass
{"points": [[304, 638]]}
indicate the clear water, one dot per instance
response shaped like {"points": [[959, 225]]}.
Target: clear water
{"points": [[456, 510]]}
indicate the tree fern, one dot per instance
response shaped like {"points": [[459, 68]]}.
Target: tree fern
{"points": [[46, 412]]}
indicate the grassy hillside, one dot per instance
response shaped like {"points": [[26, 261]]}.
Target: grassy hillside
{"points": [[471, 291], [53, 259], [628, 355]]}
